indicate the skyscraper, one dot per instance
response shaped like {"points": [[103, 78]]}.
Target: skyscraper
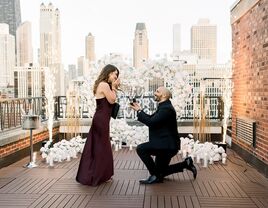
{"points": [[90, 48], [176, 38], [24, 44], [50, 43], [7, 57], [204, 40], [50, 35], [10, 14], [82, 66], [140, 45]]}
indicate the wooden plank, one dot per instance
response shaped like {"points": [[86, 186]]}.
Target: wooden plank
{"points": [[124, 187], [175, 202], [260, 202], [188, 202], [41, 201], [202, 188], [195, 202], [60, 201], [208, 188], [52, 200], [147, 202], [27, 186], [118, 188], [197, 188], [113, 187], [167, 200], [106, 188], [160, 201], [226, 202], [130, 187], [214, 188], [153, 201], [84, 203], [68, 201], [181, 201], [42, 189], [221, 189]]}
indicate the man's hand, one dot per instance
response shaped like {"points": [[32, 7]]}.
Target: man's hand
{"points": [[135, 106]]}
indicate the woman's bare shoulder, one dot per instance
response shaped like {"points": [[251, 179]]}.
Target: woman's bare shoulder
{"points": [[103, 84]]}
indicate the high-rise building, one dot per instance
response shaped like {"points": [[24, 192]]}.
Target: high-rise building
{"points": [[7, 56], [204, 40], [50, 35], [72, 71], [24, 44], [176, 38], [29, 81], [90, 48], [10, 14], [50, 43], [140, 45], [82, 66]]}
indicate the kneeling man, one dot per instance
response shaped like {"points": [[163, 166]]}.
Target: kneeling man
{"points": [[164, 140]]}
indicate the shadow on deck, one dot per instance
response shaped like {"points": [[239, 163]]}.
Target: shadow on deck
{"points": [[235, 184]]}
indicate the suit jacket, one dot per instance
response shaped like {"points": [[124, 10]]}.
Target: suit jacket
{"points": [[163, 130]]}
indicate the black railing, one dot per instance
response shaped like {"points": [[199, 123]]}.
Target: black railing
{"points": [[11, 110]]}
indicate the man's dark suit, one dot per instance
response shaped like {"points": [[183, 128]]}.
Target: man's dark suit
{"points": [[163, 141]]}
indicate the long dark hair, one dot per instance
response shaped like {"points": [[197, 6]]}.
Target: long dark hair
{"points": [[104, 75]]}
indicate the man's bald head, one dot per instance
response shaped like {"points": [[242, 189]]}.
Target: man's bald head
{"points": [[162, 94]]}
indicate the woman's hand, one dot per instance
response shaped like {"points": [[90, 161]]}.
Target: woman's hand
{"points": [[116, 84]]}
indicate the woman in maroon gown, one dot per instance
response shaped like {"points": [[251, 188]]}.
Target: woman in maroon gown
{"points": [[96, 164]]}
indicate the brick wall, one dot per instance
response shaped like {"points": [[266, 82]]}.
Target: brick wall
{"points": [[13, 147], [250, 74]]}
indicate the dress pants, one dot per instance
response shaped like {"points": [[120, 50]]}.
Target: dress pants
{"points": [[160, 166]]}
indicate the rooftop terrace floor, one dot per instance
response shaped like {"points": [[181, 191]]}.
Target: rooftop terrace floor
{"points": [[235, 184]]}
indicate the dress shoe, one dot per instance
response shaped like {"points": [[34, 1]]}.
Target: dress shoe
{"points": [[152, 179], [190, 166]]}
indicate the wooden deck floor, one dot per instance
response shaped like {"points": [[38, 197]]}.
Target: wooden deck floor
{"points": [[235, 184]]}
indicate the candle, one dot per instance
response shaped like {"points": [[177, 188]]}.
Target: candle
{"points": [[205, 160], [51, 161], [130, 147], [120, 145], [47, 159], [210, 160], [223, 160], [59, 160], [189, 149], [197, 159], [68, 158], [184, 153], [116, 147]]}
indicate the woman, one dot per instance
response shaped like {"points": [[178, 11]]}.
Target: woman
{"points": [[96, 164]]}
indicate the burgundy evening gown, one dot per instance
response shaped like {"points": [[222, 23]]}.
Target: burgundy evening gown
{"points": [[96, 164]]}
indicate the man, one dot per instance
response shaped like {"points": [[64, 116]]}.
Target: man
{"points": [[163, 140]]}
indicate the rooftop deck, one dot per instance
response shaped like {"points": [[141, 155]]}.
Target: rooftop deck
{"points": [[235, 184]]}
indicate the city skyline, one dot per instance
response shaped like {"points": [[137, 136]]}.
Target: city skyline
{"points": [[113, 25]]}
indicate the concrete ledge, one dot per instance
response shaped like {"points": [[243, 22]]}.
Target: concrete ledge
{"points": [[17, 134]]}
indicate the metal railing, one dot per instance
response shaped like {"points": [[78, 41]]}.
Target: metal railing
{"points": [[11, 110]]}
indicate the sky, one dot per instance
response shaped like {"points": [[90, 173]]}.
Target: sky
{"points": [[113, 23]]}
